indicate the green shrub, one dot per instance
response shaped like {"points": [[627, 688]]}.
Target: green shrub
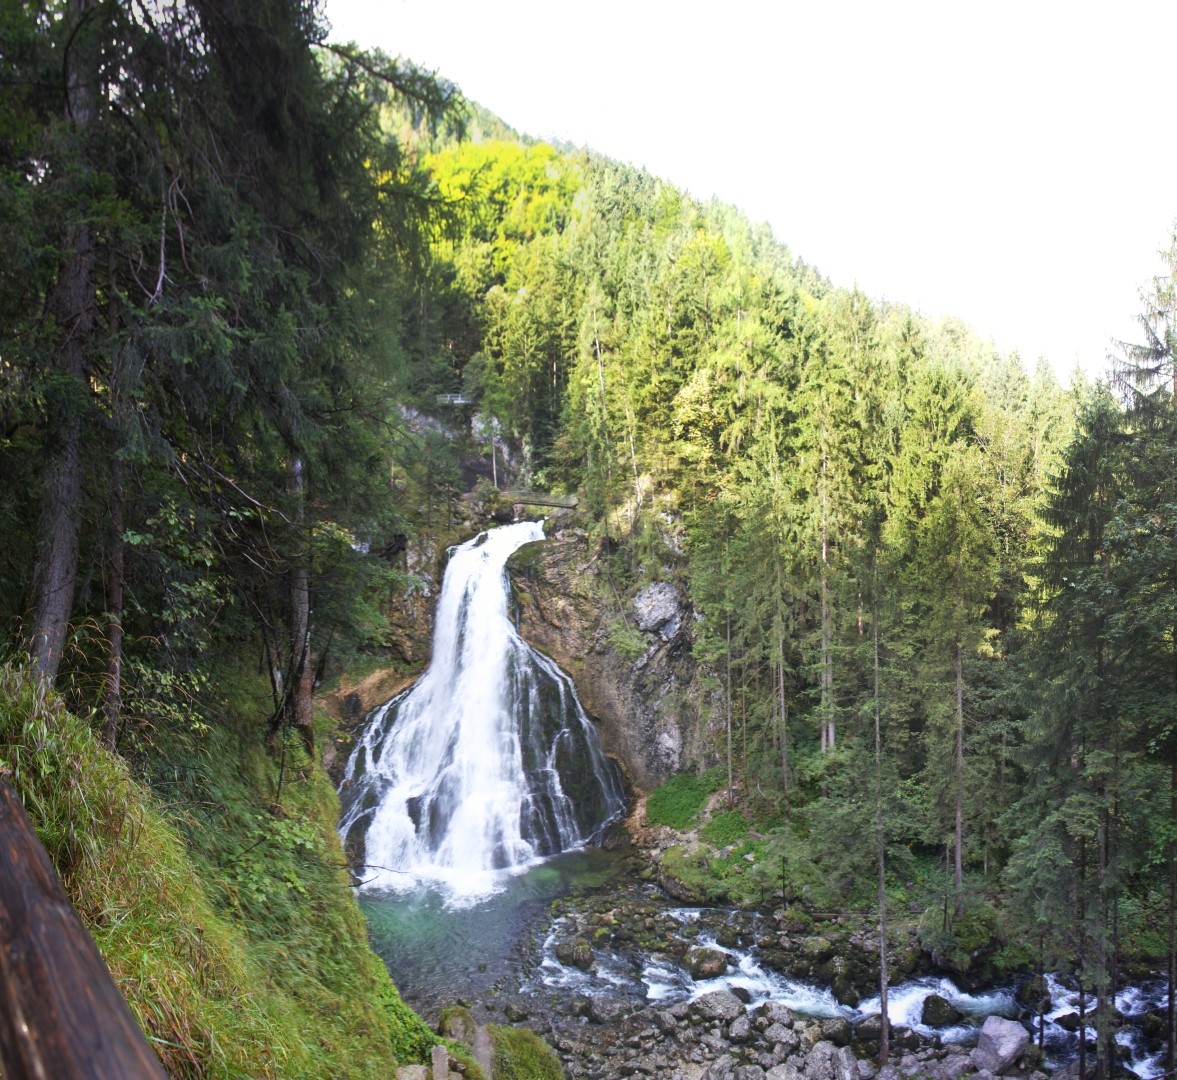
{"points": [[677, 802], [725, 828], [628, 641]]}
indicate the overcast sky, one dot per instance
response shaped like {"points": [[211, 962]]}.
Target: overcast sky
{"points": [[1012, 163]]}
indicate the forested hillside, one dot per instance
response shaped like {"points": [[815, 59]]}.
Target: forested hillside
{"points": [[934, 590]]}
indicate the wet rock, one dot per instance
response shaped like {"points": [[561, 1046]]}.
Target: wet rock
{"points": [[1068, 1021], [939, 1012], [704, 963], [1153, 1025], [1000, 1044], [1034, 994], [575, 953], [844, 991], [514, 1013], [719, 1005]]}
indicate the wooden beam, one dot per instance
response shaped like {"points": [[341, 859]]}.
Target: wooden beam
{"points": [[61, 1015]]}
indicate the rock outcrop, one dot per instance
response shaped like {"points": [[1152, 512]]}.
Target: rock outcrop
{"points": [[651, 711]]}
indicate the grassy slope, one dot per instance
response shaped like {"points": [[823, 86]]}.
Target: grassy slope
{"points": [[225, 916]]}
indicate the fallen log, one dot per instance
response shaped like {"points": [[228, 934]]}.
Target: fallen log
{"points": [[61, 1015]]}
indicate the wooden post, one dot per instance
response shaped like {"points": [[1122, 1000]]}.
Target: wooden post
{"points": [[61, 1015]]}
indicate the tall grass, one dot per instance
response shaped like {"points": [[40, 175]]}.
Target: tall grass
{"points": [[233, 967]]}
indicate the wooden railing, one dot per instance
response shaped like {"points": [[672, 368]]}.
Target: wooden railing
{"points": [[61, 1015]]}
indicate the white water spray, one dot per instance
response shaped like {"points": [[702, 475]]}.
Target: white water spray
{"points": [[488, 763]]}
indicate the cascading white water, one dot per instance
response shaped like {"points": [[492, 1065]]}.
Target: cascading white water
{"points": [[488, 763]]}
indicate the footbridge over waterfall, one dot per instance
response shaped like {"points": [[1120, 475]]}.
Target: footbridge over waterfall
{"points": [[538, 498]]}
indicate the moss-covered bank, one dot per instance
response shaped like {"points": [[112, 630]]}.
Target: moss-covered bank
{"points": [[218, 894]]}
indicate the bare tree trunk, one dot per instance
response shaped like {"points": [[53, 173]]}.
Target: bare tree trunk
{"points": [[302, 668], [72, 305], [112, 691], [881, 853], [958, 764], [1170, 1004], [827, 627]]}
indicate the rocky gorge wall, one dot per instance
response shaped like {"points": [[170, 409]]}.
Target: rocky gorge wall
{"points": [[653, 710]]}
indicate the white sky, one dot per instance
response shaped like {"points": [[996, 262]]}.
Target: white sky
{"points": [[1012, 162]]}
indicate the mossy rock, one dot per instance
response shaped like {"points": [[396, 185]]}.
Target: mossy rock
{"points": [[939, 1012], [578, 952], [704, 963], [456, 1023], [520, 1054]]}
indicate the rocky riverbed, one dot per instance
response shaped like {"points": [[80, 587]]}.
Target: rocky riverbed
{"points": [[623, 981]]}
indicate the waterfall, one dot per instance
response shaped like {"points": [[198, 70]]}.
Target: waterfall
{"points": [[488, 763]]}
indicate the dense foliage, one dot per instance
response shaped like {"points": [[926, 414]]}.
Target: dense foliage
{"points": [[936, 591]]}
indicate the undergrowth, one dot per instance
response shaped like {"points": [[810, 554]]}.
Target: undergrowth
{"points": [[225, 916], [677, 803], [520, 1054]]}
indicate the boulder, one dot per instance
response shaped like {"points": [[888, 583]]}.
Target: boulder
{"points": [[740, 1030], [1000, 1044], [837, 1030], [603, 1010], [575, 952], [719, 1005], [658, 608], [829, 1062], [869, 1028], [773, 1012], [704, 963], [779, 1035], [939, 1012], [1034, 994]]}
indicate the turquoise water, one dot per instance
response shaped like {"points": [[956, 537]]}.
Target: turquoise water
{"points": [[439, 954]]}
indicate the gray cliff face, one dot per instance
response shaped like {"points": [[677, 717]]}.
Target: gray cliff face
{"points": [[652, 712]]}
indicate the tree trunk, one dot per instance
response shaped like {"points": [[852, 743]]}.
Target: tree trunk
{"points": [[1170, 1004], [881, 853], [71, 304], [301, 690], [958, 766], [827, 627], [731, 802], [112, 691]]}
